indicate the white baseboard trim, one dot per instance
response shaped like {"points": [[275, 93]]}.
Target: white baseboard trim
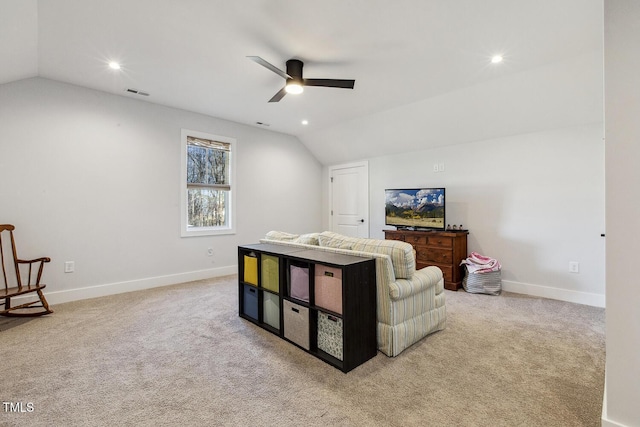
{"points": [[604, 420], [609, 423], [586, 298], [59, 297]]}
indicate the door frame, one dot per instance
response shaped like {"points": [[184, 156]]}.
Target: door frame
{"points": [[331, 169]]}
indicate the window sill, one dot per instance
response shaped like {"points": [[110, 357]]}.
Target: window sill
{"points": [[217, 231]]}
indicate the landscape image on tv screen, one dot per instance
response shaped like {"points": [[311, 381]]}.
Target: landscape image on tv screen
{"points": [[418, 208]]}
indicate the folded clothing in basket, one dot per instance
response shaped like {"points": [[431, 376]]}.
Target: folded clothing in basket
{"points": [[477, 263]]}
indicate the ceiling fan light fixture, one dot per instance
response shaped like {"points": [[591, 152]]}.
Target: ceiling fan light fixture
{"points": [[295, 82], [294, 88]]}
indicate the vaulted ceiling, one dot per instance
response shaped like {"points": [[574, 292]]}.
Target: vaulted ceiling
{"points": [[422, 67]]}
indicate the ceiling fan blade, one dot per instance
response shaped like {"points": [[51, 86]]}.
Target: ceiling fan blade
{"points": [[278, 96], [273, 68], [345, 84]]}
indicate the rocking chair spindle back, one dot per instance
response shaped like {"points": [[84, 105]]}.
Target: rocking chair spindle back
{"points": [[17, 281]]}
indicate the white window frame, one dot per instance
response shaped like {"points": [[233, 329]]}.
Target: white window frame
{"points": [[230, 228]]}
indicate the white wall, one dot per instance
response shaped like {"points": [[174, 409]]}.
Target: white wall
{"points": [[622, 131], [19, 36], [95, 178], [535, 202]]}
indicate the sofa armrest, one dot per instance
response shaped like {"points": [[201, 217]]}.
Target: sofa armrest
{"points": [[421, 280]]}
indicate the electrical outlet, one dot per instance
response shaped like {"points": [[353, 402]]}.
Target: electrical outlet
{"points": [[574, 267], [69, 266], [435, 167]]}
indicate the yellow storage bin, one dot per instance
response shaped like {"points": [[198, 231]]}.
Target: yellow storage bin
{"points": [[270, 273], [251, 269]]}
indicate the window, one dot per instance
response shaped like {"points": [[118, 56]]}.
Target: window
{"points": [[207, 184]]}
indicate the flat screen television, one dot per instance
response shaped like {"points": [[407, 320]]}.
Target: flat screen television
{"points": [[417, 208]]}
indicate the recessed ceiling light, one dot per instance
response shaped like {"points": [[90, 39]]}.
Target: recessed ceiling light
{"points": [[496, 59], [114, 65], [305, 122]]}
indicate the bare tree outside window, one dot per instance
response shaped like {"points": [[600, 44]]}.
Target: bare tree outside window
{"points": [[208, 183]]}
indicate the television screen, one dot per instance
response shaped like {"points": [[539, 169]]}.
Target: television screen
{"points": [[419, 208]]}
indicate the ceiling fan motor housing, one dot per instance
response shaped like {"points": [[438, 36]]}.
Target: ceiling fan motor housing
{"points": [[294, 69]]}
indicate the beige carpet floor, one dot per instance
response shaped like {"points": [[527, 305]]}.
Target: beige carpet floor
{"points": [[181, 356]]}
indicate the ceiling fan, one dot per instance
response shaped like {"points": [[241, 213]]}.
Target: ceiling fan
{"points": [[295, 81]]}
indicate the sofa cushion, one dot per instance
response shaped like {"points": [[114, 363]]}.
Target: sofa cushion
{"points": [[330, 239], [401, 253]]}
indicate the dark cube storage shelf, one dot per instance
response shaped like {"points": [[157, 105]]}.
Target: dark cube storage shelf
{"points": [[335, 322]]}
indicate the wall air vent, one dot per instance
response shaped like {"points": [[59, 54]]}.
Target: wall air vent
{"points": [[137, 92]]}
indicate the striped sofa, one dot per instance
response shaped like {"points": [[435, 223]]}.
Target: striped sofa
{"points": [[411, 303]]}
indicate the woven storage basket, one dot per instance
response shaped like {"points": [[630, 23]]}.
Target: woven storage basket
{"points": [[482, 283]]}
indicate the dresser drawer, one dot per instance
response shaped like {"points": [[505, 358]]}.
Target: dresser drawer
{"points": [[447, 270], [416, 240], [394, 236], [447, 273], [443, 242], [434, 255]]}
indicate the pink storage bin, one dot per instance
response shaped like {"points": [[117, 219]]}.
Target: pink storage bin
{"points": [[328, 288]]}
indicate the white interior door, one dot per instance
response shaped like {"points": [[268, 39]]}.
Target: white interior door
{"points": [[350, 199]]}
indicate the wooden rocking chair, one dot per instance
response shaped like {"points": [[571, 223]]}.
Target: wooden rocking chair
{"points": [[13, 279]]}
